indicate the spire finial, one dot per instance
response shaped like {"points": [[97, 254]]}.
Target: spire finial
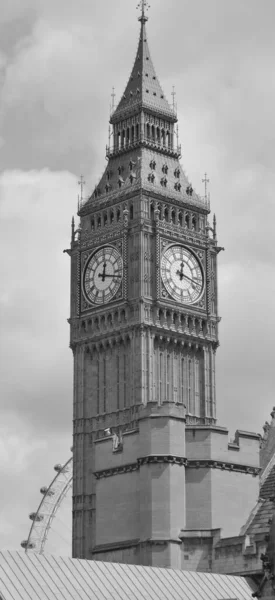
{"points": [[143, 5]]}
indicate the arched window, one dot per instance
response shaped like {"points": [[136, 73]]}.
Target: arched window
{"points": [[187, 221], [197, 387], [163, 137], [112, 216], [191, 385], [182, 381], [153, 132], [117, 381], [158, 135], [104, 386], [166, 214], [168, 378], [128, 136], [99, 221], [173, 215], [194, 223], [137, 131], [148, 131], [133, 133], [180, 218], [123, 139], [161, 374], [131, 212], [97, 387], [125, 357], [105, 219]]}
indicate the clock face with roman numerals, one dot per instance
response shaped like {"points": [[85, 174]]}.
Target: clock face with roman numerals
{"points": [[103, 275], [182, 274]]}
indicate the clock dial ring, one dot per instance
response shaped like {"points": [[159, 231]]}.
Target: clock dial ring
{"points": [[182, 274], [102, 275]]}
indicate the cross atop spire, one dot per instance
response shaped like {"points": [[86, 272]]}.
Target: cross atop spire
{"points": [[143, 5]]}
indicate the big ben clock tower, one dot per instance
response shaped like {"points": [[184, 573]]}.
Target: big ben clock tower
{"points": [[144, 333]]}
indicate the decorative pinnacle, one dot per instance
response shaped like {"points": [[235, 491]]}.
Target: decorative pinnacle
{"points": [[205, 181], [143, 5], [81, 183], [173, 94]]}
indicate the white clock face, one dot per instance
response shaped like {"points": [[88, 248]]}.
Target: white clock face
{"points": [[103, 275], [181, 274]]}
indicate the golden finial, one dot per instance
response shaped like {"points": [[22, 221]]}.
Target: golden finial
{"points": [[143, 5]]}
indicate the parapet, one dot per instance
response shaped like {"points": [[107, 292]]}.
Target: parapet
{"points": [[210, 443]]}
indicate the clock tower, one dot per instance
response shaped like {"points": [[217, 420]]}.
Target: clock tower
{"points": [[144, 334]]}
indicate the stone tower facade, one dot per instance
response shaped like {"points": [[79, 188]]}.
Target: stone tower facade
{"points": [[152, 470]]}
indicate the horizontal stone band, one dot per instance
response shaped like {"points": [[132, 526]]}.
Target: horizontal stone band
{"points": [[177, 460]]}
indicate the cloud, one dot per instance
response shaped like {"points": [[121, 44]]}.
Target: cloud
{"points": [[245, 359], [35, 228]]}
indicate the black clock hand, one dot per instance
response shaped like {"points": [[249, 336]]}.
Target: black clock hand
{"points": [[107, 275], [103, 275], [180, 273], [190, 279]]}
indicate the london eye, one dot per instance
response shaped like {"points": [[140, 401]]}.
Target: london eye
{"points": [[43, 518]]}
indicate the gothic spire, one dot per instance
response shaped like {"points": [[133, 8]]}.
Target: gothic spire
{"points": [[143, 90]]}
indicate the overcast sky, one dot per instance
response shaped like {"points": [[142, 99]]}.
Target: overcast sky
{"points": [[58, 62]]}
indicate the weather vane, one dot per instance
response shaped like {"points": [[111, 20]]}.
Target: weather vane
{"points": [[205, 181], [143, 5]]}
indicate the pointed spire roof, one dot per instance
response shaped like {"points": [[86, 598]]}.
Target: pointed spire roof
{"points": [[143, 90]]}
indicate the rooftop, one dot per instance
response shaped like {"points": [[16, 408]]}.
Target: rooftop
{"points": [[33, 577]]}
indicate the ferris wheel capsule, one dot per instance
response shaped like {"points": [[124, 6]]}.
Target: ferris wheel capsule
{"points": [[36, 517], [47, 491], [58, 468], [28, 545]]}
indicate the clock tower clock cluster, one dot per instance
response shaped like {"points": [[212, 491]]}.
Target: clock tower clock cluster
{"points": [[144, 333]]}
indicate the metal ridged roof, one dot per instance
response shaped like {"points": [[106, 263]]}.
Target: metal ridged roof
{"points": [[33, 577], [143, 88]]}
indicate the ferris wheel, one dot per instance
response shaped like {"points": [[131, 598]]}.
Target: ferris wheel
{"points": [[53, 497]]}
